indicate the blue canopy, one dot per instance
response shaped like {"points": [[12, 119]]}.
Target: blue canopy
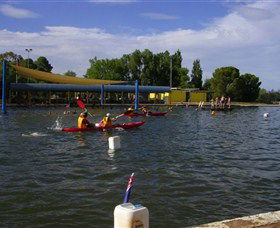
{"points": [[89, 88]]}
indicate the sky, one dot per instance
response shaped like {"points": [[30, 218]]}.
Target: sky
{"points": [[240, 33]]}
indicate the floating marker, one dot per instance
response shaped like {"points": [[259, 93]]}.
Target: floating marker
{"points": [[266, 115], [128, 215], [114, 142]]}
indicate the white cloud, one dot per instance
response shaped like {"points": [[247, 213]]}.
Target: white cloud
{"points": [[159, 16], [112, 1], [234, 40], [11, 11]]}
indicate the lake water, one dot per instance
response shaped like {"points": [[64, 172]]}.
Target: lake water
{"points": [[190, 168]]}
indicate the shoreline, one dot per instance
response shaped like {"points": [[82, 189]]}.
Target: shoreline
{"points": [[190, 104]]}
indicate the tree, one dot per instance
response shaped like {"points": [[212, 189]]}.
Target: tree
{"points": [[207, 84], [269, 97], [222, 78], [135, 65], [148, 70], [28, 63], [107, 69], [13, 59], [184, 78], [70, 73], [251, 85], [43, 64], [177, 71], [196, 75], [244, 88]]}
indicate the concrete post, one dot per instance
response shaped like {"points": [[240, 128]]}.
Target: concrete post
{"points": [[4, 87], [102, 94], [136, 95]]}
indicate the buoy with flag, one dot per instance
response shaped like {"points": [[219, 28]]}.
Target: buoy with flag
{"points": [[128, 189], [127, 215]]}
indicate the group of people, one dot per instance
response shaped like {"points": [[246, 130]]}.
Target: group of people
{"points": [[131, 110], [222, 103], [83, 122], [107, 120]]}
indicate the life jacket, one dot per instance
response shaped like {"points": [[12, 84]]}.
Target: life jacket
{"points": [[82, 122], [107, 122], [144, 110]]}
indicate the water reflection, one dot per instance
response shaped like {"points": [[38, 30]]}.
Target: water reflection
{"points": [[81, 139], [111, 153]]}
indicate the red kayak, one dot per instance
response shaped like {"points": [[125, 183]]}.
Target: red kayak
{"points": [[147, 114], [123, 125]]}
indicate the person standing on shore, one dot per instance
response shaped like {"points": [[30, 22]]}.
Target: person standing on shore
{"points": [[228, 102]]}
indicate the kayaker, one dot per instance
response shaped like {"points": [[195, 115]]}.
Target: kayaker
{"points": [[144, 110], [82, 120], [129, 110], [107, 121]]}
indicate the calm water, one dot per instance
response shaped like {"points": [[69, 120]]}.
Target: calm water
{"points": [[190, 168]]}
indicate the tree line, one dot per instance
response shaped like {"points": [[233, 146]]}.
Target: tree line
{"points": [[160, 69]]}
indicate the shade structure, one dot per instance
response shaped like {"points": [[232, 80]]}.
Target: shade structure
{"points": [[89, 88], [57, 78]]}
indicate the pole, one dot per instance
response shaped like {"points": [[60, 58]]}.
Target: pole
{"points": [[136, 95], [170, 71], [4, 87], [102, 94], [28, 50]]}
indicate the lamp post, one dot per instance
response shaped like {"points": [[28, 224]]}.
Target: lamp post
{"points": [[28, 51], [170, 71]]}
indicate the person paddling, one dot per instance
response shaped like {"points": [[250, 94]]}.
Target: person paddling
{"points": [[129, 110], [107, 121], [82, 120], [145, 110]]}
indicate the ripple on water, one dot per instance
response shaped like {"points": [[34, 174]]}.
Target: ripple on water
{"points": [[190, 168]]}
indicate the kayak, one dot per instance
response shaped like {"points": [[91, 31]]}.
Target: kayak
{"points": [[122, 125], [147, 114]]}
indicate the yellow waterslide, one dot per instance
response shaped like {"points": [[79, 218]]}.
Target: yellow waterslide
{"points": [[44, 76]]}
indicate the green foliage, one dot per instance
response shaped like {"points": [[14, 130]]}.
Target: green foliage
{"points": [[184, 78], [222, 78], [106, 69], [148, 68], [227, 82], [28, 63], [251, 85], [269, 97], [196, 75], [13, 59], [207, 84], [43, 64], [70, 73], [245, 88]]}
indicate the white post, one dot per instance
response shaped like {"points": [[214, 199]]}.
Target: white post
{"points": [[114, 142], [128, 215]]}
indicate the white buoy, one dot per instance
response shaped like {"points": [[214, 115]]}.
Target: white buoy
{"points": [[128, 215], [114, 142], [266, 115]]}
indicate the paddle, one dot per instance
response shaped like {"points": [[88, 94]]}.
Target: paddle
{"points": [[119, 116], [83, 106]]}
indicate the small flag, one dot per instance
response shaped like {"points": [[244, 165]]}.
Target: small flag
{"points": [[128, 189]]}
